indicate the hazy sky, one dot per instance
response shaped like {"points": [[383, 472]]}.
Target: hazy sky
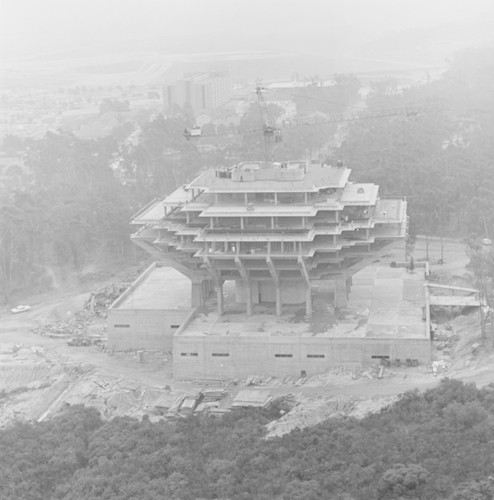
{"points": [[34, 26]]}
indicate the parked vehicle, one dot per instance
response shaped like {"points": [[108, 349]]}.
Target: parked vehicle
{"points": [[20, 309], [78, 341]]}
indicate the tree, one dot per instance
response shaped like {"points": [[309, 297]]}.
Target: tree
{"points": [[403, 481]]}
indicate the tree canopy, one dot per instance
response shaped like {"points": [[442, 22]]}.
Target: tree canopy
{"points": [[434, 445]]}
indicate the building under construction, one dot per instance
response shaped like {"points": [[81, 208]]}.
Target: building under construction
{"points": [[265, 245]]}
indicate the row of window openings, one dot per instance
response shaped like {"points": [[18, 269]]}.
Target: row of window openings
{"points": [[173, 327], [225, 355], [272, 247], [281, 198], [267, 222]]}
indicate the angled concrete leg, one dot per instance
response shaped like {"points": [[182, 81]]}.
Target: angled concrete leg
{"points": [[308, 302], [197, 295], [340, 293], [278, 301]]}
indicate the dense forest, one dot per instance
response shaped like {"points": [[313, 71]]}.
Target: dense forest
{"points": [[76, 205], [433, 445], [440, 153]]}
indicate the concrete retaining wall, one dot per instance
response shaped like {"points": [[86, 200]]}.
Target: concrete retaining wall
{"points": [[144, 328], [223, 357]]}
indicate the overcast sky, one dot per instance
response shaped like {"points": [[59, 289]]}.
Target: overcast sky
{"points": [[34, 26]]}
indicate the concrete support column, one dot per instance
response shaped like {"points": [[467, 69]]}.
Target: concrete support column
{"points": [[308, 302], [248, 290], [340, 293], [207, 287], [219, 298], [279, 309], [348, 286], [197, 295]]}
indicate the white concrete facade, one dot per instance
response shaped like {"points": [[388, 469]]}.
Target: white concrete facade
{"points": [[150, 311], [266, 355]]}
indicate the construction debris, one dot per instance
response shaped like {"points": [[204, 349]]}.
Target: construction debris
{"points": [[439, 367], [309, 411], [88, 321], [103, 298], [213, 394], [252, 398]]}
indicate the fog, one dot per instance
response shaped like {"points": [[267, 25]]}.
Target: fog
{"points": [[334, 27]]}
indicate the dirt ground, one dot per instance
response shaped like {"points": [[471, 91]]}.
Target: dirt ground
{"points": [[40, 374]]}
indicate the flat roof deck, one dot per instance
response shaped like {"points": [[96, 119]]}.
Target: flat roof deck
{"points": [[152, 214], [359, 194], [384, 303], [390, 210], [316, 177], [162, 288]]}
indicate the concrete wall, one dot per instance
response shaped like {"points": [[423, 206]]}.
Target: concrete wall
{"points": [[144, 328], [292, 292], [227, 357]]}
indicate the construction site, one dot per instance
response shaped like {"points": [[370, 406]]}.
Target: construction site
{"points": [[269, 279], [288, 272], [42, 372]]}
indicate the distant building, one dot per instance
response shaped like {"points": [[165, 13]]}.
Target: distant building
{"points": [[203, 91]]}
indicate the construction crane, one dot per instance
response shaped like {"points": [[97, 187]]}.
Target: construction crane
{"points": [[271, 134]]}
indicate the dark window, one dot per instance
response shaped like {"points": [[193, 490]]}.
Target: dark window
{"points": [[174, 326], [379, 356], [220, 354], [121, 326], [316, 356], [188, 354], [283, 355]]}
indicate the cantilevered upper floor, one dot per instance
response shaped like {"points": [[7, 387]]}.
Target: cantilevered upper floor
{"points": [[254, 212]]}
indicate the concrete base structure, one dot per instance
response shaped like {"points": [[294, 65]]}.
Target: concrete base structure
{"points": [[267, 355], [150, 311], [147, 329], [382, 319]]}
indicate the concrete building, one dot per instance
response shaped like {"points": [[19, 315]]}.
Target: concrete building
{"points": [[272, 228], [266, 245], [203, 91], [383, 319], [150, 311]]}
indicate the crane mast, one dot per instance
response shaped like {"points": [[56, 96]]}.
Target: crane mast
{"points": [[271, 134]]}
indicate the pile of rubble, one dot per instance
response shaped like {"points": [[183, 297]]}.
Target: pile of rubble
{"points": [[308, 411], [77, 325], [85, 323], [102, 299], [445, 337]]}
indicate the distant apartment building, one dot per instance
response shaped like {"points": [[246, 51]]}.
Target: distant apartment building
{"points": [[203, 91]]}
